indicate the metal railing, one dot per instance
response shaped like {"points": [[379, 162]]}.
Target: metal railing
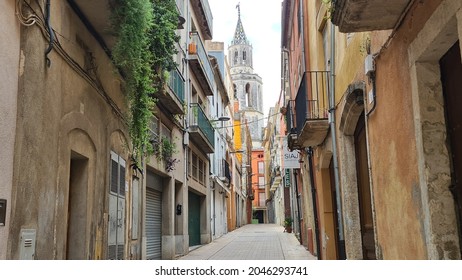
{"points": [[176, 84], [311, 102], [199, 119], [208, 14], [203, 58]]}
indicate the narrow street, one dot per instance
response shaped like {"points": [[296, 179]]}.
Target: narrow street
{"points": [[253, 242]]}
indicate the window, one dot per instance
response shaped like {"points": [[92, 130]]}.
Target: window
{"points": [[261, 182], [247, 95], [261, 167], [201, 171], [244, 56], [325, 44], [198, 168], [236, 55], [166, 132], [135, 207], [299, 19], [194, 166], [116, 225], [189, 161], [262, 198], [154, 130]]}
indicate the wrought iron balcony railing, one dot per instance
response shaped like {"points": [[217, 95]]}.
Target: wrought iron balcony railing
{"points": [[311, 102], [201, 129], [307, 115]]}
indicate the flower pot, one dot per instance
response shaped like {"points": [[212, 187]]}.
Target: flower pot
{"points": [[192, 48]]}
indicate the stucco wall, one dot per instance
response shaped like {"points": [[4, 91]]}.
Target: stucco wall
{"points": [[9, 59], [59, 112], [395, 177]]}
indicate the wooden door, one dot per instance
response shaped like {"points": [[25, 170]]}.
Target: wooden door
{"points": [[194, 221]]}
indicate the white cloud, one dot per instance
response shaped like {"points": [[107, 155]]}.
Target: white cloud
{"points": [[262, 25]]}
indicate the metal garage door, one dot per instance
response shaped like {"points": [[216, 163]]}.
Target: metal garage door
{"points": [[153, 224]]}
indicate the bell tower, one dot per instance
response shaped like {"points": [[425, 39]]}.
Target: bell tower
{"points": [[248, 86]]}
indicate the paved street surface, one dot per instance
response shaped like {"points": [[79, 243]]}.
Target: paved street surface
{"points": [[253, 242]]}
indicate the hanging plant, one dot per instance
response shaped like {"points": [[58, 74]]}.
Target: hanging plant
{"points": [[164, 151], [164, 38], [145, 32]]}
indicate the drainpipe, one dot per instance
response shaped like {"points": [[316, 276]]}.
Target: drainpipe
{"points": [[341, 239], [315, 202], [185, 192], [50, 31]]}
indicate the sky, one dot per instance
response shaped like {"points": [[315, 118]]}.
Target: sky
{"points": [[261, 20]]}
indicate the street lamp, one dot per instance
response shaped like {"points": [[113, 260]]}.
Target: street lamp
{"points": [[221, 119]]}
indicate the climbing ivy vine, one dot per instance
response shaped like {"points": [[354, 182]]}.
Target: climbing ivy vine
{"points": [[145, 32]]}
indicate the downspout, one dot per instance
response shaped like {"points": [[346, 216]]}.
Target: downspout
{"points": [[50, 31], [315, 204], [341, 238], [187, 101], [302, 12]]}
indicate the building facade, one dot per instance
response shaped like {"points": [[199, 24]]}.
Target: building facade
{"points": [[411, 139], [370, 109], [68, 166]]}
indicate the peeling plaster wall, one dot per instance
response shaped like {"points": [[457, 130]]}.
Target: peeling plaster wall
{"points": [[439, 33], [59, 112], [413, 213], [9, 46]]}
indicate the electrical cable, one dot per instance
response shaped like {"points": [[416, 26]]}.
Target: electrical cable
{"points": [[33, 19]]}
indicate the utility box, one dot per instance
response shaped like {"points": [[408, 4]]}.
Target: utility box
{"points": [[369, 65], [27, 244]]}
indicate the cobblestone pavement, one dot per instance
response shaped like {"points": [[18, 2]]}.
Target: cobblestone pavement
{"points": [[253, 242]]}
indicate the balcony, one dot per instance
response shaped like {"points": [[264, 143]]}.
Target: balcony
{"points": [[276, 178], [96, 17], [357, 16], [292, 137], [204, 16], [172, 97], [225, 172], [311, 111], [200, 64], [200, 129]]}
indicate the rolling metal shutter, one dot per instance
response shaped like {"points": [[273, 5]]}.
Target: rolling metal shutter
{"points": [[153, 224]]}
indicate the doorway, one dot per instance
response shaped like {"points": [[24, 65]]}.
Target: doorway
{"points": [[194, 219], [451, 73], [77, 208], [364, 191], [153, 218], [333, 207]]}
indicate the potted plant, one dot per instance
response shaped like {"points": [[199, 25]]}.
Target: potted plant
{"points": [[288, 224]]}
